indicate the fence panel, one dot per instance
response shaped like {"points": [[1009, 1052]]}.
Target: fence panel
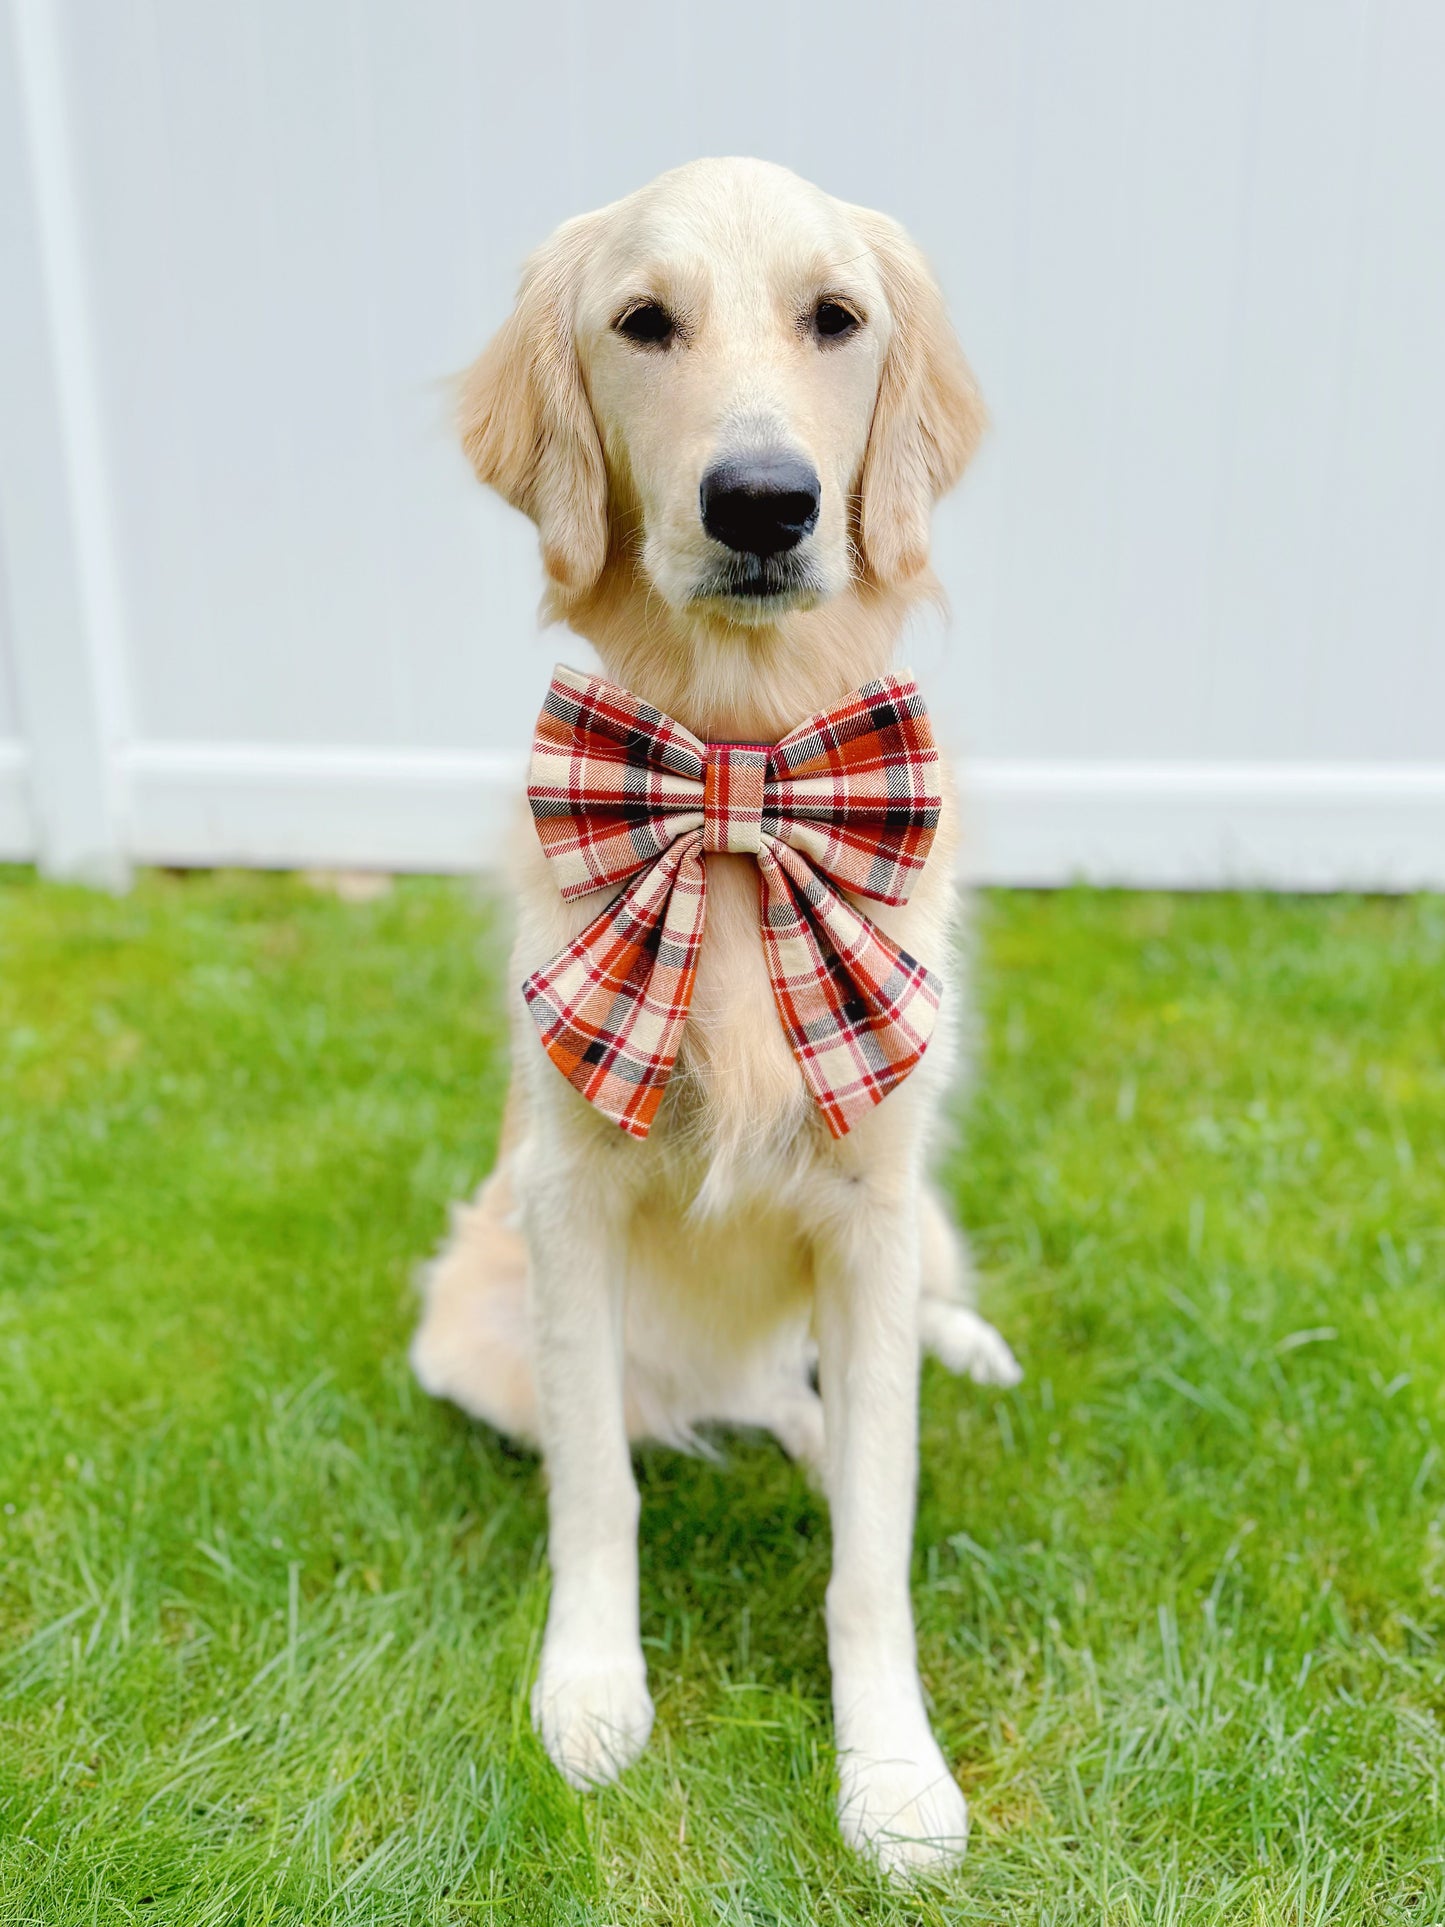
{"points": [[1197, 255]]}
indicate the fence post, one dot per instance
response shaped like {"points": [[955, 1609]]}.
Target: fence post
{"points": [[56, 542]]}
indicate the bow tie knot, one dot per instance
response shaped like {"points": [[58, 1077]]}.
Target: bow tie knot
{"points": [[624, 796], [732, 798]]}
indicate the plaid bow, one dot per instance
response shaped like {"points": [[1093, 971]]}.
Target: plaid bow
{"points": [[622, 794]]}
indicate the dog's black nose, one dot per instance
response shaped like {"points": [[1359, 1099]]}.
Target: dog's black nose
{"points": [[760, 504]]}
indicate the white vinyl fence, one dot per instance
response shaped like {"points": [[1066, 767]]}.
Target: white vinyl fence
{"points": [[253, 609]]}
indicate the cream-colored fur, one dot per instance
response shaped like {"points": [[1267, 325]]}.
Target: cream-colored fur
{"points": [[601, 1289]]}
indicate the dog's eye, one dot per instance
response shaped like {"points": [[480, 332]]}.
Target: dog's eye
{"points": [[832, 320], [649, 323]]}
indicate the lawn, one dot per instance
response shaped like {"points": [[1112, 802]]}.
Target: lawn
{"points": [[267, 1614]]}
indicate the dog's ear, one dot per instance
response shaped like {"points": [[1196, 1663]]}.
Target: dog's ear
{"points": [[526, 423], [929, 416]]}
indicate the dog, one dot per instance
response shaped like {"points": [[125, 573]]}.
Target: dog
{"points": [[728, 403]]}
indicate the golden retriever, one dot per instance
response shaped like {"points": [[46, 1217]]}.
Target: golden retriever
{"points": [[727, 320]]}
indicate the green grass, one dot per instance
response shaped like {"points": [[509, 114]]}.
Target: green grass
{"points": [[267, 1615]]}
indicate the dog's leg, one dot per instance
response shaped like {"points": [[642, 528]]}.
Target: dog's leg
{"points": [[948, 1325], [794, 1416], [966, 1344], [590, 1703], [897, 1798], [474, 1343]]}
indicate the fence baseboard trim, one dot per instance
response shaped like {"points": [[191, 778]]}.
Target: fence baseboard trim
{"points": [[1283, 826], [1043, 824], [17, 817], [274, 807]]}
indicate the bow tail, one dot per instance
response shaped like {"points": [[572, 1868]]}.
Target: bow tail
{"points": [[612, 1004], [857, 1010]]}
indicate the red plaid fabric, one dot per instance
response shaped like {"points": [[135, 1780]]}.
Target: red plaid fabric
{"points": [[622, 795]]}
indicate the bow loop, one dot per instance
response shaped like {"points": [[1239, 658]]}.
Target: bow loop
{"points": [[858, 788], [622, 794], [613, 782]]}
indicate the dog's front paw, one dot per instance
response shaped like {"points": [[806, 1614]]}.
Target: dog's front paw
{"points": [[968, 1344], [904, 1811], [593, 1718]]}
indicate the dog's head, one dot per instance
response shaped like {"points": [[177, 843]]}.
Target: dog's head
{"points": [[748, 387]]}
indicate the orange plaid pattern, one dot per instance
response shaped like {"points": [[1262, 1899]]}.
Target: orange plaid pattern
{"points": [[623, 795]]}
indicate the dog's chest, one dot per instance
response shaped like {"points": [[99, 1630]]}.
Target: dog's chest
{"points": [[733, 1048]]}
